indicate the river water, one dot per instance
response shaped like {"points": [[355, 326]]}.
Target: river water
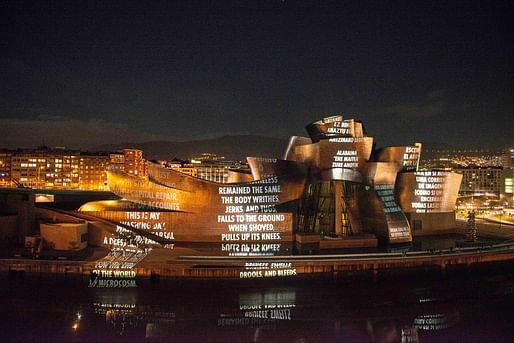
{"points": [[470, 307]]}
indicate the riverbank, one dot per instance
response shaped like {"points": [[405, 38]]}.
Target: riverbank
{"points": [[163, 264]]}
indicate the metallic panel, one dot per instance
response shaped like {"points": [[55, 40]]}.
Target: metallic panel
{"points": [[147, 193], [347, 152], [308, 154], [341, 174], [186, 208], [237, 176], [359, 130], [332, 127], [405, 156], [188, 227], [427, 191], [381, 173], [212, 212], [382, 216], [295, 141], [266, 167], [170, 178]]}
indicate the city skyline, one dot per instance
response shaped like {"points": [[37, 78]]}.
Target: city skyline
{"points": [[86, 74]]}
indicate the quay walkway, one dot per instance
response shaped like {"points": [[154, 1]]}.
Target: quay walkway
{"points": [[172, 264]]}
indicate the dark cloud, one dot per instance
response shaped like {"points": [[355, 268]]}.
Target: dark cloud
{"points": [[432, 105]]}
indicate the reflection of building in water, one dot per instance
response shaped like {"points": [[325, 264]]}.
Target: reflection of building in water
{"points": [[262, 309], [124, 316], [332, 189], [117, 269], [439, 321], [410, 334], [275, 298]]}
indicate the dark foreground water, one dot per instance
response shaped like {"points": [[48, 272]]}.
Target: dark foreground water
{"points": [[472, 307]]}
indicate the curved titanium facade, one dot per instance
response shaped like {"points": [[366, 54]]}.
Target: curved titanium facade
{"points": [[334, 126], [405, 156], [428, 191], [331, 183], [341, 154], [197, 210]]}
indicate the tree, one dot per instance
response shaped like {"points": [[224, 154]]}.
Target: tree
{"points": [[471, 228]]}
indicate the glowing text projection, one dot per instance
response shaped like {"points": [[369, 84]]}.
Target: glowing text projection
{"points": [[259, 309], [251, 249], [116, 270], [267, 270], [344, 152], [429, 191], [148, 221], [145, 193], [250, 213], [410, 157]]}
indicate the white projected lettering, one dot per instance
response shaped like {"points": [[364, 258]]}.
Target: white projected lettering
{"points": [[345, 159], [277, 314], [346, 139], [438, 321], [267, 270], [148, 221], [262, 310], [250, 215], [429, 191], [259, 198], [148, 196], [116, 270], [251, 249], [340, 128], [399, 232], [410, 157]]}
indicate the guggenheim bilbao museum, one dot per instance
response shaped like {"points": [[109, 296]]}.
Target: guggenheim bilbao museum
{"points": [[332, 186]]}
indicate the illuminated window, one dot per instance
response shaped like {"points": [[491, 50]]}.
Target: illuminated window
{"points": [[508, 185]]}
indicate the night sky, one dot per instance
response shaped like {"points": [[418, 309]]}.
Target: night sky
{"points": [[86, 73]]}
